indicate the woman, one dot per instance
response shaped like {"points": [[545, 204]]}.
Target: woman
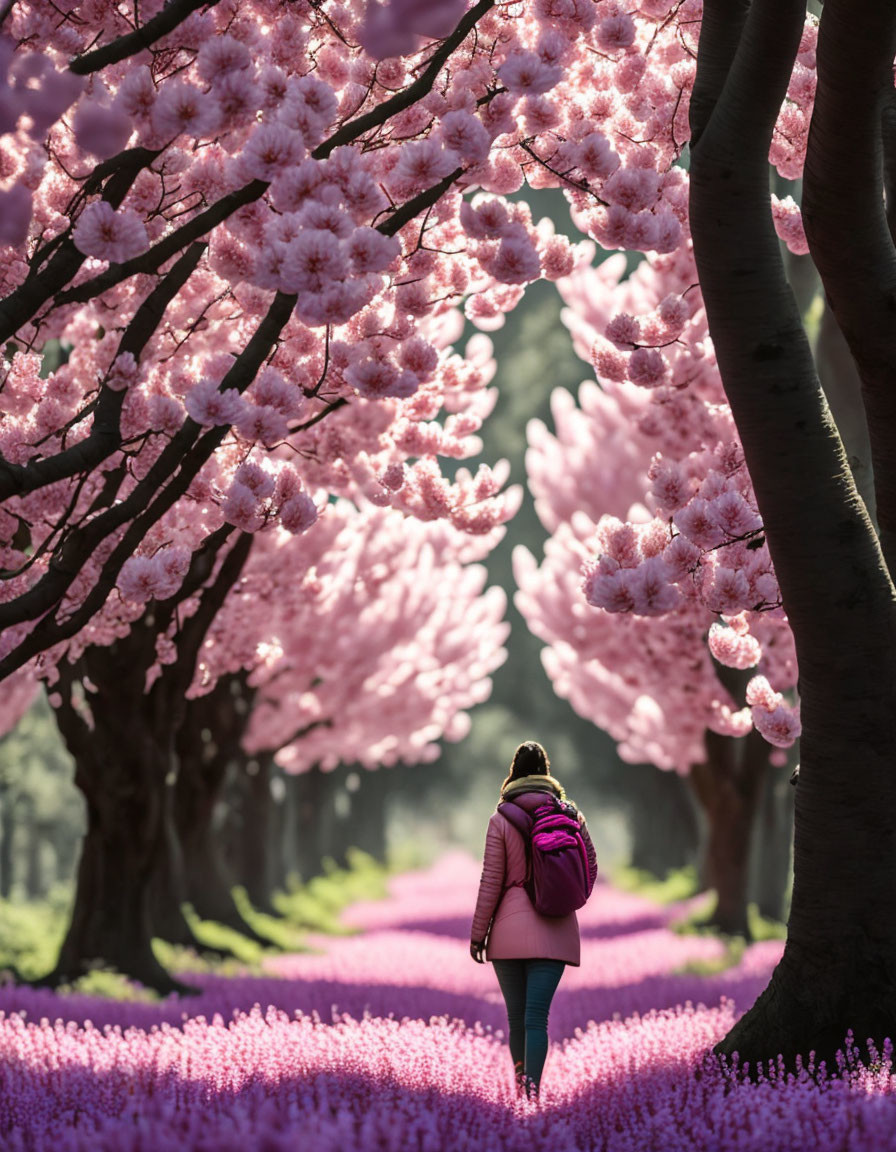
{"points": [[528, 950]]}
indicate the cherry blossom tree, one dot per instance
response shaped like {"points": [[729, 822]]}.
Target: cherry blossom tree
{"points": [[646, 674], [713, 532], [245, 222], [836, 972], [338, 644], [223, 148], [359, 658], [245, 227]]}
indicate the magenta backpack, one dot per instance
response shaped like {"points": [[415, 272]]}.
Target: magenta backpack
{"points": [[558, 879]]}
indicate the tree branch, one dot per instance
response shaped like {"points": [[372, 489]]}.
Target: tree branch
{"points": [[410, 95], [202, 564], [152, 260], [418, 204], [72, 725], [846, 219], [193, 631], [270, 753], [185, 455], [105, 432], [793, 451], [174, 13], [22, 303]]}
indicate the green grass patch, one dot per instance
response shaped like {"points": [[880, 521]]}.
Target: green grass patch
{"points": [[678, 884], [734, 950], [110, 985], [681, 884], [761, 928], [317, 905], [32, 933]]}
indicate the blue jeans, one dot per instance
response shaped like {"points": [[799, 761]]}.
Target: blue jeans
{"points": [[528, 986]]}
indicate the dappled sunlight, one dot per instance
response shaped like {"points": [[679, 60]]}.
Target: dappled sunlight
{"points": [[394, 1038]]}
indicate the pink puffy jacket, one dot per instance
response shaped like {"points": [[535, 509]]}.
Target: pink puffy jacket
{"points": [[517, 931]]}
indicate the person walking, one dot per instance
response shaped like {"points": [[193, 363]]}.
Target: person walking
{"points": [[528, 950]]}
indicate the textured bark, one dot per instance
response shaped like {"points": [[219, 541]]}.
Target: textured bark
{"points": [[313, 820], [208, 743], [846, 220], [119, 769], [367, 815], [34, 833], [843, 389], [130, 883], [772, 849], [257, 825], [728, 786], [663, 822], [839, 965]]}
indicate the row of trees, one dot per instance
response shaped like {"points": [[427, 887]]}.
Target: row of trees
{"points": [[246, 223]]}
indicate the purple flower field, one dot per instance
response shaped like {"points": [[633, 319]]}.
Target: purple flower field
{"points": [[391, 1039]]}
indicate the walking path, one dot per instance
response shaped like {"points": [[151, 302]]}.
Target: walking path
{"points": [[391, 1039]]}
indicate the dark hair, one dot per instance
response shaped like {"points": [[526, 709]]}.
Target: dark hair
{"points": [[530, 759]]}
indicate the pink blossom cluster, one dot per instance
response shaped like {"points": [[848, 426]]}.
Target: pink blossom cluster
{"points": [[34, 93], [394, 1039], [330, 159], [666, 531], [395, 27], [406, 672]]}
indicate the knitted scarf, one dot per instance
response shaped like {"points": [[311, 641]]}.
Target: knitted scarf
{"points": [[536, 783]]}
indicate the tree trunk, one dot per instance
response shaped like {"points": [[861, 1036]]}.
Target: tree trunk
{"points": [[7, 831], [208, 742], [338, 827], [309, 799], [728, 787], [209, 881], [256, 831], [129, 883], [170, 889], [34, 885], [843, 389], [665, 834], [838, 971], [773, 846], [368, 811], [112, 921]]}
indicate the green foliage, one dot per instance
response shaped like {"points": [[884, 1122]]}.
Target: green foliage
{"points": [[681, 885], [42, 810], [31, 932], [316, 906], [761, 928], [30, 935], [734, 950], [112, 985], [678, 884]]}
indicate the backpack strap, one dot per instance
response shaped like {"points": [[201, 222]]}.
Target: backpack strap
{"points": [[522, 821], [518, 816]]}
